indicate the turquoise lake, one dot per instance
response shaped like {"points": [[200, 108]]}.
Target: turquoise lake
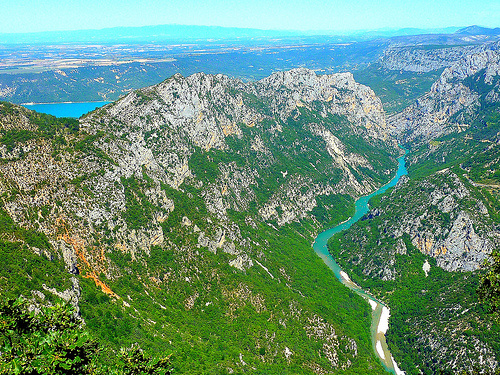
{"points": [[65, 109]]}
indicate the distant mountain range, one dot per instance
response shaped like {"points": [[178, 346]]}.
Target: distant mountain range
{"points": [[162, 33], [142, 34], [478, 30]]}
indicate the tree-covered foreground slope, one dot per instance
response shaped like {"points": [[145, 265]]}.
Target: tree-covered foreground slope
{"points": [[181, 217], [53, 340], [423, 246]]}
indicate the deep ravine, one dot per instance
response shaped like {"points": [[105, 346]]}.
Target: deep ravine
{"points": [[380, 312]]}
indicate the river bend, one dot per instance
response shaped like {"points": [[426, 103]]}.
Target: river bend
{"points": [[380, 312]]}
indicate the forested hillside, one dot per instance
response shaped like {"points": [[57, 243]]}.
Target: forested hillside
{"points": [[181, 217]]}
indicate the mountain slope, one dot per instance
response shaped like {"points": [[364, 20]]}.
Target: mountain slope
{"points": [[184, 214], [405, 72], [422, 246], [458, 97], [419, 250]]}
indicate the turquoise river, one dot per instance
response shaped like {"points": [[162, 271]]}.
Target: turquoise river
{"points": [[380, 312]]}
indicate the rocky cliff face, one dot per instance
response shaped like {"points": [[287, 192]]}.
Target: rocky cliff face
{"points": [[167, 123], [157, 131], [178, 193], [425, 59], [462, 91], [439, 215]]}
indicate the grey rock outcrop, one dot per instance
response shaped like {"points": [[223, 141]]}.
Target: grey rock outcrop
{"points": [[434, 219], [421, 60], [451, 102]]}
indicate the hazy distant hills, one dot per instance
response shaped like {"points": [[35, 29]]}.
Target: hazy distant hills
{"points": [[142, 34], [478, 30], [162, 33], [94, 65]]}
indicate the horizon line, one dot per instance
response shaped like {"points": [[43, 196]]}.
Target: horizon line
{"points": [[327, 31]]}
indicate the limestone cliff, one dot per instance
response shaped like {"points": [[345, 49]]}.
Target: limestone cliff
{"points": [[453, 102], [423, 59], [439, 215]]}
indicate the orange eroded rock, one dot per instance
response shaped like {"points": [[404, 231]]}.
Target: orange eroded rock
{"points": [[78, 245]]}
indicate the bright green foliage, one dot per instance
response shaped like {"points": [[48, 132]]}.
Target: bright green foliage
{"points": [[203, 167], [489, 289], [48, 126], [340, 207], [209, 336], [139, 210], [419, 304], [133, 361], [21, 270], [53, 341], [48, 342], [192, 206], [12, 137], [208, 341], [31, 237], [87, 146]]}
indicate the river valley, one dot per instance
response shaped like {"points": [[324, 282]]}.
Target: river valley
{"points": [[380, 312]]}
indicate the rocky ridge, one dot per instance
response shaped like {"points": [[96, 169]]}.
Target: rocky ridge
{"points": [[454, 100], [421, 59], [202, 113], [431, 213], [204, 173]]}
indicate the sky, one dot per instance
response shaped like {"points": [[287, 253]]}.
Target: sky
{"points": [[19, 16]]}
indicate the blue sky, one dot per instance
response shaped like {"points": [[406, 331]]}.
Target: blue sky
{"points": [[337, 15]]}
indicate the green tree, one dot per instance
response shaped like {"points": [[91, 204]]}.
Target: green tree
{"points": [[135, 362], [52, 340], [489, 289], [48, 341]]}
